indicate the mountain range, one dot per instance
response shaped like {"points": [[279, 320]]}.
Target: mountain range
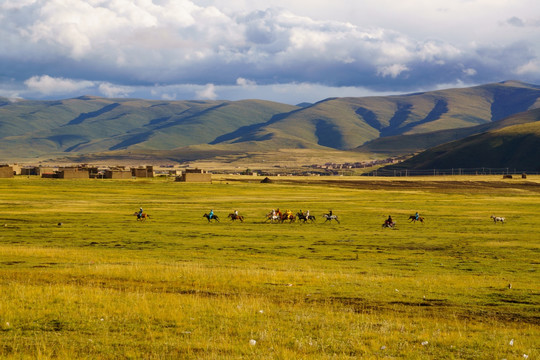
{"points": [[93, 128], [514, 147]]}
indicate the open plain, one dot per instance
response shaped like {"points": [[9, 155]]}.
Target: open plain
{"points": [[81, 278]]}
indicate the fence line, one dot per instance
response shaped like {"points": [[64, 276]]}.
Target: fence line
{"points": [[453, 171]]}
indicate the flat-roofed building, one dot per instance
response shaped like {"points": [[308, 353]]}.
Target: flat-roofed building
{"points": [[195, 175], [6, 171]]}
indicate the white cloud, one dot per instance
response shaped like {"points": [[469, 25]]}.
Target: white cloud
{"points": [[245, 82], [112, 91], [530, 68], [393, 70], [46, 84], [470, 72], [207, 93], [122, 46], [16, 4], [169, 97]]}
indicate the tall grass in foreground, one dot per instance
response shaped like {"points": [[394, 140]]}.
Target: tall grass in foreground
{"points": [[102, 285]]}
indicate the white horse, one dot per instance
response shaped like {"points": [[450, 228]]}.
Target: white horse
{"points": [[329, 217], [273, 217], [498, 218]]}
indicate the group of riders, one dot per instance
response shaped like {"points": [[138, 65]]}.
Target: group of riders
{"points": [[390, 223], [277, 215]]}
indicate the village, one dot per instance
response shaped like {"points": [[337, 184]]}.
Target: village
{"points": [[183, 173], [85, 171], [180, 173]]}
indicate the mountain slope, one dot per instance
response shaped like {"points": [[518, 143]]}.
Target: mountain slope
{"points": [[403, 144], [345, 123], [35, 129], [515, 147], [89, 124]]}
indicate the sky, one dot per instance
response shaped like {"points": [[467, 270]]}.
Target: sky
{"points": [[289, 51]]}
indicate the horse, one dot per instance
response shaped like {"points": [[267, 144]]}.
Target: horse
{"points": [[233, 217], [412, 218], [272, 218], [329, 217], [303, 217], [142, 216], [214, 217], [498, 218], [287, 217], [390, 225]]}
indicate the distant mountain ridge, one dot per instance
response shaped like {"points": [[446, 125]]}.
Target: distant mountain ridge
{"points": [[514, 147], [403, 144], [346, 123], [89, 125]]}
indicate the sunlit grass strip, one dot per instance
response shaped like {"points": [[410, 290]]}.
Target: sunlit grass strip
{"points": [[101, 283]]}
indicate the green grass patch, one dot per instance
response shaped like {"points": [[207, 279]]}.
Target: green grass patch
{"points": [[81, 278]]}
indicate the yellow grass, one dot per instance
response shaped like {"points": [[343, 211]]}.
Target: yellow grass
{"points": [[102, 285]]}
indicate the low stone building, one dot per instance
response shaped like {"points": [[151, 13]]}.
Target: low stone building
{"points": [[36, 170], [6, 171], [144, 172], [16, 169], [73, 173], [118, 174], [195, 175]]}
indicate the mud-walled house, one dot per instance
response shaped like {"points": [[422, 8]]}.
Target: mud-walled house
{"points": [[16, 169], [30, 170], [118, 173], [6, 171], [73, 173], [195, 175], [143, 171], [36, 170]]}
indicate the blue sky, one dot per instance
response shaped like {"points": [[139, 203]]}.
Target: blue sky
{"points": [[286, 51]]}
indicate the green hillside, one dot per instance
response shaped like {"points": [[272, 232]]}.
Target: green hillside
{"points": [[346, 123], [88, 124], [404, 144], [389, 124], [514, 147]]}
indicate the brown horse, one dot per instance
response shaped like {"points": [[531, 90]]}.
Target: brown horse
{"points": [[285, 217], [142, 216], [390, 225], [233, 217], [412, 218]]}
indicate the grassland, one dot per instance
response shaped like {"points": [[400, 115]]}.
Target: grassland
{"points": [[81, 278]]}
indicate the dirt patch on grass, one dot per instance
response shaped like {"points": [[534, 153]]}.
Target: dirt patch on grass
{"points": [[427, 185], [438, 308]]}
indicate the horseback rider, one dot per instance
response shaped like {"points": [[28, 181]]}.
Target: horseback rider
{"points": [[289, 214], [416, 216], [139, 215], [389, 221], [211, 215], [307, 214], [330, 213]]}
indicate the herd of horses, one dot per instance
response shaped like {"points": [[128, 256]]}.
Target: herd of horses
{"points": [[278, 217]]}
